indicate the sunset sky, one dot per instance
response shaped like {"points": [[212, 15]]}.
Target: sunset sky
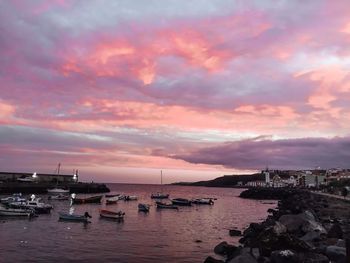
{"points": [[198, 88]]}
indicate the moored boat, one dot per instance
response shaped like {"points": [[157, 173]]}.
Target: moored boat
{"points": [[181, 201], [202, 201], [35, 204], [13, 198], [104, 213], [87, 200], [162, 205], [58, 197], [112, 195], [143, 207], [57, 191], [16, 212], [159, 196], [130, 198], [74, 218], [112, 200]]}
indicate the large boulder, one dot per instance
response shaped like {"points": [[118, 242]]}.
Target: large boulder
{"points": [[293, 223], [313, 258], [337, 254], [313, 226], [269, 241], [210, 259], [243, 257], [225, 249], [235, 233], [284, 256], [313, 236], [335, 231], [279, 228]]}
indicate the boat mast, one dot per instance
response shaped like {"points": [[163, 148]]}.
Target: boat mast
{"points": [[59, 167], [161, 177]]}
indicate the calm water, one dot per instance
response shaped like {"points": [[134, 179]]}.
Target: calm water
{"points": [[159, 236]]}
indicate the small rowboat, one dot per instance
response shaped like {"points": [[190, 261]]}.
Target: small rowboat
{"points": [[112, 200], [143, 207], [181, 201], [104, 213], [88, 200], [161, 205], [74, 218], [159, 196], [130, 198]]}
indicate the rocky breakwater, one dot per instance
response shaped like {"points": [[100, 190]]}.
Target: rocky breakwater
{"points": [[305, 227]]}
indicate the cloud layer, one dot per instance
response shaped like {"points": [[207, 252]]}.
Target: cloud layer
{"points": [[146, 83]]}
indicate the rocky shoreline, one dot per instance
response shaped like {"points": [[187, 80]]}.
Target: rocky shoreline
{"points": [[305, 227]]}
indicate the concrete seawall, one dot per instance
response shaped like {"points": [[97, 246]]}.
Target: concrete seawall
{"points": [[41, 188]]}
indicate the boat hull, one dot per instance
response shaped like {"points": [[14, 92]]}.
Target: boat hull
{"points": [[181, 202], [72, 218], [88, 200], [161, 205], [112, 215]]}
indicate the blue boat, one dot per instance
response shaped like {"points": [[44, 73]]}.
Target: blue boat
{"points": [[74, 218]]}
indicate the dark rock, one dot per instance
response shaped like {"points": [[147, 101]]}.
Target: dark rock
{"points": [[269, 241], [225, 249], [234, 233], [212, 260], [335, 231], [313, 236], [279, 228], [243, 257], [198, 241], [284, 256], [338, 254], [292, 222], [313, 258]]}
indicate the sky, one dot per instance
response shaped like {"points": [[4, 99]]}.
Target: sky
{"points": [[197, 88]]}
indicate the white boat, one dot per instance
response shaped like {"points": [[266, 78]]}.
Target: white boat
{"points": [[160, 195], [130, 198], [57, 191], [13, 198], [34, 203], [112, 200]]}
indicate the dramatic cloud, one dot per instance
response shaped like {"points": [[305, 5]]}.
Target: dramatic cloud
{"points": [[169, 78], [306, 153]]}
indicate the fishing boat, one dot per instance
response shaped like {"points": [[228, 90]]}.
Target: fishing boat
{"points": [[13, 198], [181, 201], [162, 205], [59, 197], [202, 201], [16, 212], [160, 195], [34, 203], [143, 207], [104, 213], [74, 218], [87, 200], [57, 191]]}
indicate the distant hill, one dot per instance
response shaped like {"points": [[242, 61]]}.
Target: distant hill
{"points": [[232, 180], [226, 180]]}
